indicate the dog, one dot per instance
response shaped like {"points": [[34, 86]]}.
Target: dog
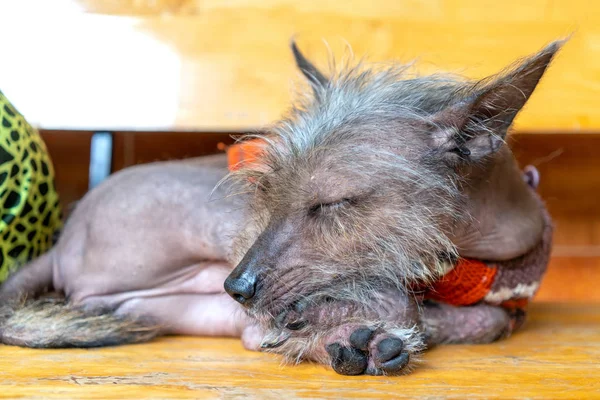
{"points": [[351, 232]]}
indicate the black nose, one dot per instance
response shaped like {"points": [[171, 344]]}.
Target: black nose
{"points": [[241, 288]]}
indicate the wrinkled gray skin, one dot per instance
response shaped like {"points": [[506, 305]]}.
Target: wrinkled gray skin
{"points": [[374, 182]]}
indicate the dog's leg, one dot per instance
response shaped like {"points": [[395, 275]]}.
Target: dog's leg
{"points": [[190, 314], [29, 281], [378, 337], [481, 323]]}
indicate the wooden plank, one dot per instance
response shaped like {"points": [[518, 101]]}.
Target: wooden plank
{"points": [[556, 356], [70, 152], [570, 184], [207, 65], [572, 279]]}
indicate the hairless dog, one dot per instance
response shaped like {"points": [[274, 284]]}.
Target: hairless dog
{"points": [[385, 214]]}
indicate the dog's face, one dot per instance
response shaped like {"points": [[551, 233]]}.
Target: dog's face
{"points": [[363, 186]]}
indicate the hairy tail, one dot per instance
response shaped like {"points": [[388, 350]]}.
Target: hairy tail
{"points": [[52, 322]]}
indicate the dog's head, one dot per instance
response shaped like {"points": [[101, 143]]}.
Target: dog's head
{"points": [[380, 178]]}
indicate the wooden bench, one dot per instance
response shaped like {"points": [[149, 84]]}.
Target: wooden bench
{"points": [[556, 357]]}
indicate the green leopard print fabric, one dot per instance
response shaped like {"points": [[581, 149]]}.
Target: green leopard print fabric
{"points": [[29, 204]]}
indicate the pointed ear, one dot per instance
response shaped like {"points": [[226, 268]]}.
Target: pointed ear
{"points": [[314, 76], [476, 125]]}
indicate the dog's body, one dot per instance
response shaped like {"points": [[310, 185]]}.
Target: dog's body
{"points": [[149, 242], [376, 185]]}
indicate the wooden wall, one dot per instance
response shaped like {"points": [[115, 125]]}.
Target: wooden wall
{"points": [[225, 65], [70, 152]]}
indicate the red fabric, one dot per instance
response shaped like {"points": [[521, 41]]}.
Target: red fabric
{"points": [[242, 153], [466, 284]]}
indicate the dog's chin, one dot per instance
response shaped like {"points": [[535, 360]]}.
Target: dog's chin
{"points": [[271, 314], [271, 319], [278, 297], [268, 315]]}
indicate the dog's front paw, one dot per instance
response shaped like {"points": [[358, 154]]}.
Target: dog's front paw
{"points": [[373, 351], [378, 338]]}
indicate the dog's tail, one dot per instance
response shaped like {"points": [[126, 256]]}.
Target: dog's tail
{"points": [[52, 323]]}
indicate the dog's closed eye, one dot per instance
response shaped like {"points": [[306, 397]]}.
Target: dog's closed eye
{"points": [[332, 206]]}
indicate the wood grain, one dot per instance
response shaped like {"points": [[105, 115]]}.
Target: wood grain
{"points": [[70, 154], [570, 186], [572, 279], [225, 65], [556, 356]]}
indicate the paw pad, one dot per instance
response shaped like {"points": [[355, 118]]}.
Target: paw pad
{"points": [[373, 352], [347, 360]]}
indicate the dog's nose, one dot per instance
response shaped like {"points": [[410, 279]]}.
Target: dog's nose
{"points": [[241, 288]]}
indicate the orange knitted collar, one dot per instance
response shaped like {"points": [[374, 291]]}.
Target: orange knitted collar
{"points": [[467, 283], [242, 153]]}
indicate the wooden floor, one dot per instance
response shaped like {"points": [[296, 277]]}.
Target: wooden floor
{"points": [[556, 356]]}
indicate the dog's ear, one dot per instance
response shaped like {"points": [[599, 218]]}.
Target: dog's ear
{"points": [[476, 125], [314, 76]]}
